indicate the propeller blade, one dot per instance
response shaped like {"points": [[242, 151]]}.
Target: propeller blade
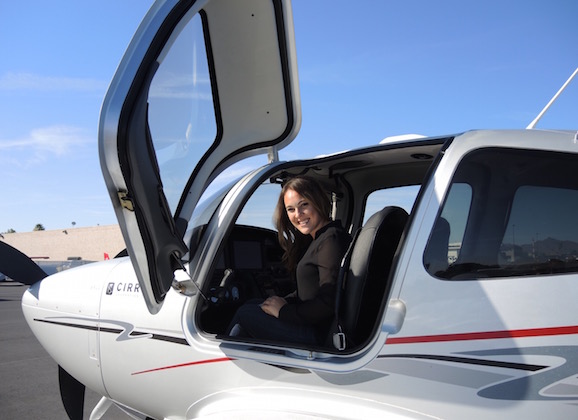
{"points": [[72, 394], [19, 267]]}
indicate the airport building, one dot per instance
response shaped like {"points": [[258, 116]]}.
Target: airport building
{"points": [[78, 243]]}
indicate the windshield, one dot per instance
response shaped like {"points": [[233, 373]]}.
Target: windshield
{"points": [[181, 114]]}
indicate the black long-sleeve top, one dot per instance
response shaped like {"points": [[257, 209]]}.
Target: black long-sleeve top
{"points": [[316, 276]]}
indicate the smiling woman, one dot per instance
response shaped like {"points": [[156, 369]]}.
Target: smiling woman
{"points": [[314, 246]]}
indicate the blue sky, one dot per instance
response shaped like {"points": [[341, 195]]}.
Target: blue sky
{"points": [[377, 69]]}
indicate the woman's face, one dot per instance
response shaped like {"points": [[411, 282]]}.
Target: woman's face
{"points": [[302, 214]]}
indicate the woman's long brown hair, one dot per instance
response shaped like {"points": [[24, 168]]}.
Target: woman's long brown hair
{"points": [[293, 242]]}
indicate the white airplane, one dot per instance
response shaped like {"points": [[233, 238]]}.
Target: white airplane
{"points": [[458, 296]]}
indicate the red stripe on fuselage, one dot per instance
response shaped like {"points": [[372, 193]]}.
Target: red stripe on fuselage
{"points": [[487, 335], [201, 362]]}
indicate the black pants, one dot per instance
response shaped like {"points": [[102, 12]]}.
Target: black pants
{"points": [[251, 321]]}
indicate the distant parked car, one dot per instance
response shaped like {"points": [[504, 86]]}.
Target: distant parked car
{"points": [[51, 267]]}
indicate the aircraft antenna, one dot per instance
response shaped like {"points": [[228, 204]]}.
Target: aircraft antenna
{"points": [[533, 123]]}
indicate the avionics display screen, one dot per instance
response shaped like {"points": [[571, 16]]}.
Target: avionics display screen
{"points": [[247, 255]]}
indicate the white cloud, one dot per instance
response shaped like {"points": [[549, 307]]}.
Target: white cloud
{"points": [[169, 85], [55, 140], [31, 81]]}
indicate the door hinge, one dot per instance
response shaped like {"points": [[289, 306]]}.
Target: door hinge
{"points": [[125, 200], [273, 154]]}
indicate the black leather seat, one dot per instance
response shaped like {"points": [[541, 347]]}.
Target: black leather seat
{"points": [[365, 273]]}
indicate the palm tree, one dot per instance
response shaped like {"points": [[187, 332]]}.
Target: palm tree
{"points": [[38, 227]]}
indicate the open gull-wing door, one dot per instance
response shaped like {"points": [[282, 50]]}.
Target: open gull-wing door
{"points": [[202, 85]]}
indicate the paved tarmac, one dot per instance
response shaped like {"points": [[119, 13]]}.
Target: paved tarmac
{"points": [[29, 376]]}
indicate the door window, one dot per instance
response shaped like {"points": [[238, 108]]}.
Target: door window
{"points": [[181, 113]]}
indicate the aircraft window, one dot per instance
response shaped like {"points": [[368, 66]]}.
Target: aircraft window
{"points": [[181, 113], [222, 184], [403, 197], [508, 213], [258, 211], [541, 228], [455, 213]]}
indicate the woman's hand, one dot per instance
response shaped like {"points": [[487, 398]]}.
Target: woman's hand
{"points": [[273, 305]]}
